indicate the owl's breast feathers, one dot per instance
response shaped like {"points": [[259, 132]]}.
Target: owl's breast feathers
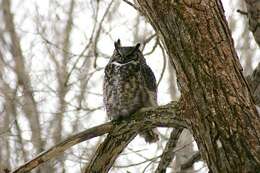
{"points": [[128, 88]]}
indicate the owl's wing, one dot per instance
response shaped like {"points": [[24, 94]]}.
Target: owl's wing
{"points": [[150, 83], [107, 89], [149, 78]]}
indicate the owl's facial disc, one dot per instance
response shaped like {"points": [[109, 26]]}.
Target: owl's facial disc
{"points": [[123, 55]]}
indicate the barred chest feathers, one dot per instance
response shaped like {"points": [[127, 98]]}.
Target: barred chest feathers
{"points": [[125, 90]]}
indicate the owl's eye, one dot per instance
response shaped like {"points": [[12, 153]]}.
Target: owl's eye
{"points": [[132, 57], [115, 56]]}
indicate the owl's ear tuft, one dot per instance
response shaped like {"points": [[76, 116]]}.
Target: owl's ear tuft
{"points": [[117, 44], [137, 46]]}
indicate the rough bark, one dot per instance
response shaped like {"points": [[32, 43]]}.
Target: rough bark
{"points": [[215, 96], [122, 134], [109, 150]]}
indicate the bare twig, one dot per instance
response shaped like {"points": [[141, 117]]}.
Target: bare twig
{"points": [[139, 163], [133, 5], [242, 12], [154, 47], [147, 40], [99, 32], [8, 129]]}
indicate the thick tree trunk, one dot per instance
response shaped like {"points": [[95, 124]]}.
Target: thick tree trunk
{"points": [[215, 96]]}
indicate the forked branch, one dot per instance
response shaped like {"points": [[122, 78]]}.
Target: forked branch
{"points": [[121, 133]]}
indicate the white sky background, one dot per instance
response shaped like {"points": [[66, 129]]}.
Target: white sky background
{"points": [[120, 26]]}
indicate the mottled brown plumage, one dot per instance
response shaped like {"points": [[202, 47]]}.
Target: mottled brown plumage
{"points": [[129, 85]]}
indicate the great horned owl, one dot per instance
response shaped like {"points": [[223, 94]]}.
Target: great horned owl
{"points": [[129, 85]]}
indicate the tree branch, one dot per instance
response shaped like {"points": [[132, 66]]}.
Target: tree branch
{"points": [[242, 12], [194, 158], [109, 150], [254, 84], [121, 133], [61, 147], [134, 6], [168, 153]]}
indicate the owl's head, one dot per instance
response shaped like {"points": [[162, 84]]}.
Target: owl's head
{"points": [[126, 55]]}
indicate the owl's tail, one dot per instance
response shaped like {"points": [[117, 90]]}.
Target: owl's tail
{"points": [[150, 136]]}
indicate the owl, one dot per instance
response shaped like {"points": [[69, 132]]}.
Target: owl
{"points": [[129, 85]]}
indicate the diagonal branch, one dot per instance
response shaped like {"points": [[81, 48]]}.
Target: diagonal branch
{"points": [[61, 147], [168, 153], [133, 5], [124, 133], [110, 149], [121, 133]]}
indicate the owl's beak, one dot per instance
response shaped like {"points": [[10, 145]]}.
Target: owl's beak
{"points": [[120, 64]]}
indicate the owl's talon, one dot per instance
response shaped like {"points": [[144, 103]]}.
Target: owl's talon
{"points": [[117, 120]]}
